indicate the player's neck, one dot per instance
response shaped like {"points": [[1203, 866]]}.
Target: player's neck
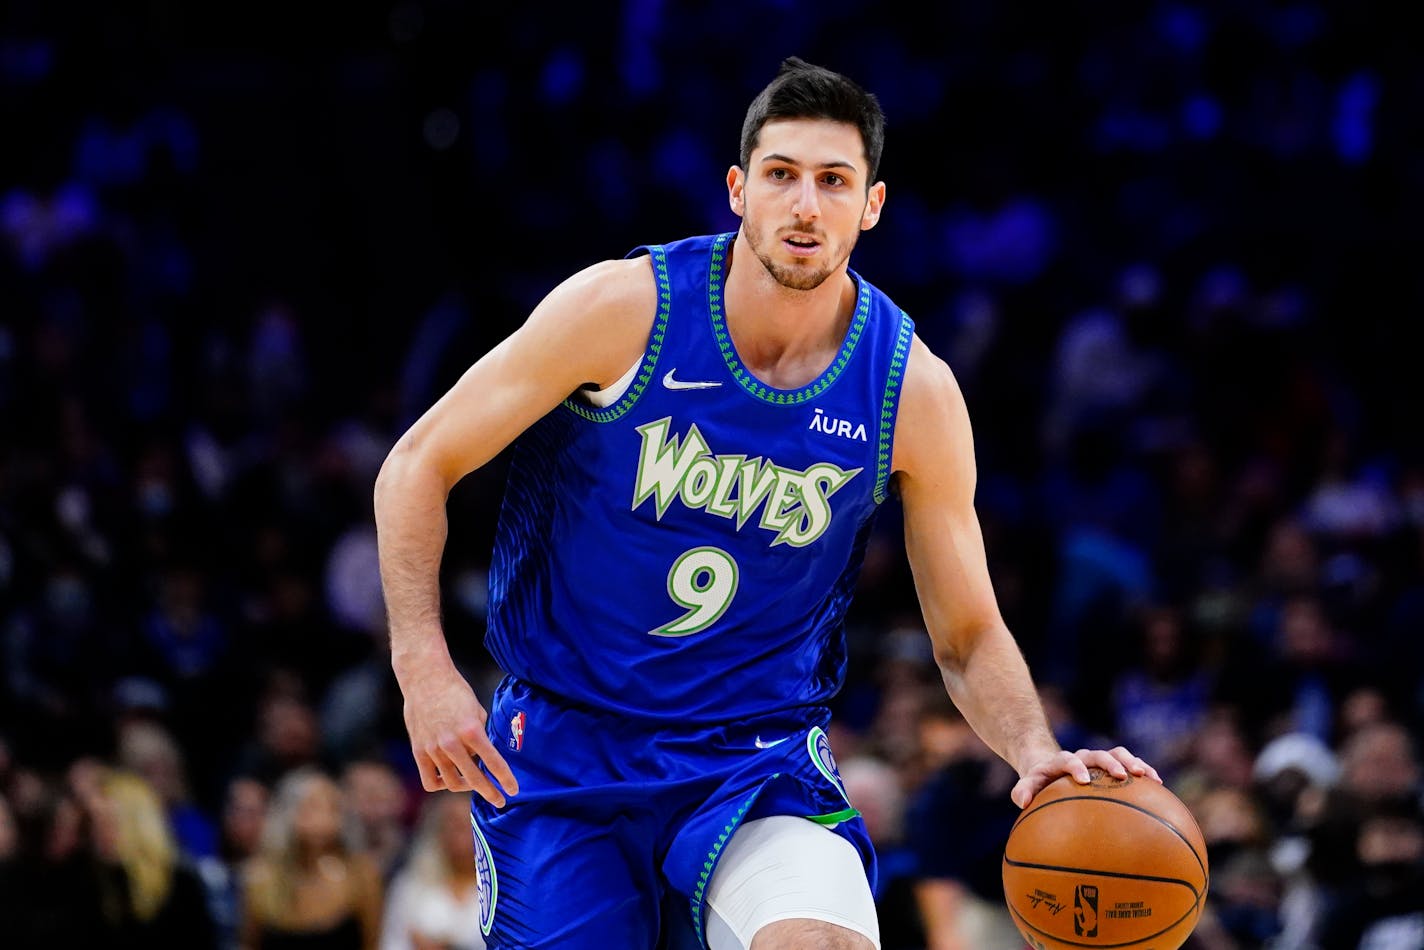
{"points": [[785, 337]]}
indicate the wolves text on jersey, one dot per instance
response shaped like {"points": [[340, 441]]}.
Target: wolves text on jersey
{"points": [[793, 503]]}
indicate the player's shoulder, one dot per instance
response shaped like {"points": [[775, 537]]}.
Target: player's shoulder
{"points": [[930, 385], [600, 298], [614, 283], [932, 416], [596, 321]]}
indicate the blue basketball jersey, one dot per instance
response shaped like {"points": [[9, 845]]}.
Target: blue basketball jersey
{"points": [[689, 551]]}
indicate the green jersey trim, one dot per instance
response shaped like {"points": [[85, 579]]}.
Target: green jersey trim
{"points": [[888, 405], [711, 862], [835, 817], [743, 376], [650, 356]]}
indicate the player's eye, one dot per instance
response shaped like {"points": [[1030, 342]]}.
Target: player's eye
{"points": [[780, 174], [833, 180]]}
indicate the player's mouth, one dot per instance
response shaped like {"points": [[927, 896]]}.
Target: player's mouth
{"points": [[801, 245]]}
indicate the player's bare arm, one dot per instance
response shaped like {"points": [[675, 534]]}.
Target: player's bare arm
{"points": [[981, 663], [588, 330]]}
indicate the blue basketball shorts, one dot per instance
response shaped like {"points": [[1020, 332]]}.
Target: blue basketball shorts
{"points": [[619, 824]]}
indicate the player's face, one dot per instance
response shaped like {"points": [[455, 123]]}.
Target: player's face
{"points": [[803, 199]]}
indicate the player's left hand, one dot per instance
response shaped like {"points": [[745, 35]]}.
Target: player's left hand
{"points": [[1117, 762]]}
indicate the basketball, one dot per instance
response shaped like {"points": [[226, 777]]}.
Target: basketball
{"points": [[1114, 863]]}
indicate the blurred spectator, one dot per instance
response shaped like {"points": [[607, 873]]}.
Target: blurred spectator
{"points": [[158, 900], [1245, 894], [434, 899], [1221, 756], [1194, 547], [310, 881], [184, 647], [1290, 567], [58, 662], [904, 680], [1380, 761], [1109, 362], [244, 811], [1311, 672], [1351, 500], [1382, 908], [1103, 521], [360, 709], [1364, 705], [278, 370], [182, 630], [54, 890], [1292, 774], [149, 750], [287, 735], [1288, 769], [376, 796], [1161, 699], [1379, 769], [961, 817]]}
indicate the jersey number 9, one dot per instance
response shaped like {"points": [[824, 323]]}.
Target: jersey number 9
{"points": [[704, 580]]}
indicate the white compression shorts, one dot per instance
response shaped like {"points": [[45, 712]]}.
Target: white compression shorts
{"points": [[787, 868]]}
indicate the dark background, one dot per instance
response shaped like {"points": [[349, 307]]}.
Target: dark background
{"points": [[1168, 248]]}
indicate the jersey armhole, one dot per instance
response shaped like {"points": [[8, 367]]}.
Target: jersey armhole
{"points": [[603, 398], [623, 395], [890, 407]]}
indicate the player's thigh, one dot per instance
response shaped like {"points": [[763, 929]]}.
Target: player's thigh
{"points": [[786, 882], [554, 879]]}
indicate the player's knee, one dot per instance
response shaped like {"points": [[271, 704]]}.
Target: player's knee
{"points": [[808, 935], [785, 883]]}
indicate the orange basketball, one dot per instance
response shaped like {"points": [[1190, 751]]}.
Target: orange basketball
{"points": [[1114, 863]]}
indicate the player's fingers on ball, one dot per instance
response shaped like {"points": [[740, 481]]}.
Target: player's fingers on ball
{"points": [[1077, 766], [1109, 762], [1134, 764]]}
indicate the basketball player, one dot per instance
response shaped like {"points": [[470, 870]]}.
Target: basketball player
{"points": [[703, 432]]}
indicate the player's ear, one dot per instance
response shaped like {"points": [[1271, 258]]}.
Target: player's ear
{"points": [[875, 200], [736, 183]]}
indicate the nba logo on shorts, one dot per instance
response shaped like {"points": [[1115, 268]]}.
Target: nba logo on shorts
{"points": [[516, 730], [1085, 910]]}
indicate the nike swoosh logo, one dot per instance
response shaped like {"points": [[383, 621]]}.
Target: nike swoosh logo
{"points": [[671, 383], [767, 745]]}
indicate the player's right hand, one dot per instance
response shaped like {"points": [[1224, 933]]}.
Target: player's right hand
{"points": [[447, 737]]}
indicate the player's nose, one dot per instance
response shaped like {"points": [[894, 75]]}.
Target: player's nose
{"points": [[808, 204]]}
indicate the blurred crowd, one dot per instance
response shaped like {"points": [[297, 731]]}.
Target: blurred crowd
{"points": [[1164, 247]]}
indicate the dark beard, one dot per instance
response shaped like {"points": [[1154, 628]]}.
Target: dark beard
{"points": [[792, 278]]}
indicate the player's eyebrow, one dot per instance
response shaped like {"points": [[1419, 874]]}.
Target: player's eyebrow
{"points": [[788, 160]]}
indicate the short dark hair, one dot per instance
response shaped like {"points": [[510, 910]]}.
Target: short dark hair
{"points": [[801, 90]]}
